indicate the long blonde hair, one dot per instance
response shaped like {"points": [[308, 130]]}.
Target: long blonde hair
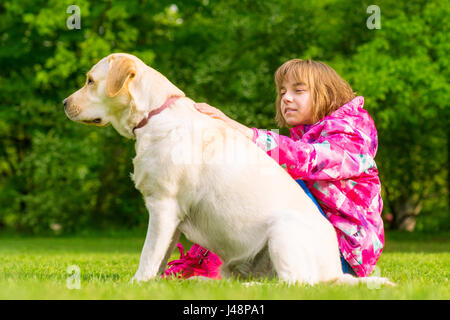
{"points": [[327, 89]]}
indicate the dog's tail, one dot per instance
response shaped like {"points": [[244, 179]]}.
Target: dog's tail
{"points": [[371, 282]]}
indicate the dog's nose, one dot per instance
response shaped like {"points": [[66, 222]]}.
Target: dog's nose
{"points": [[65, 102]]}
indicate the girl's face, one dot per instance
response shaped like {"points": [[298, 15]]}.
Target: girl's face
{"points": [[295, 103]]}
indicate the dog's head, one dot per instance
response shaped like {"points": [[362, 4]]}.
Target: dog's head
{"points": [[119, 90]]}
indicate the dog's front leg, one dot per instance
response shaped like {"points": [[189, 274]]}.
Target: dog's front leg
{"points": [[161, 234]]}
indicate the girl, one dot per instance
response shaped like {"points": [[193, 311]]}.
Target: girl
{"points": [[332, 148]]}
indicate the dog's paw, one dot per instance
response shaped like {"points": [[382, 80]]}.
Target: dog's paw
{"points": [[382, 281], [134, 280], [139, 278]]}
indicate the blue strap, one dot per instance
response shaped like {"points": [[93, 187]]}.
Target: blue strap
{"points": [[305, 188], [346, 268]]}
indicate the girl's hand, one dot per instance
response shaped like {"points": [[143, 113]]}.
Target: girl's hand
{"points": [[211, 111], [217, 114]]}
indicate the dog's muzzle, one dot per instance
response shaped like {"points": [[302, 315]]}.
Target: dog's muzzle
{"points": [[72, 111]]}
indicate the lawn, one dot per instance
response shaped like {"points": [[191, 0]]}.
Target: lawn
{"points": [[37, 268]]}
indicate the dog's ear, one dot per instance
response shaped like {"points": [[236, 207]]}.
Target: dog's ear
{"points": [[121, 69]]}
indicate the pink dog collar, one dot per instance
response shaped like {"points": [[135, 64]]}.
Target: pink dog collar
{"points": [[168, 102]]}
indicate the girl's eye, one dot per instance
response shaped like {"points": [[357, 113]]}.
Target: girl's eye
{"points": [[299, 90]]}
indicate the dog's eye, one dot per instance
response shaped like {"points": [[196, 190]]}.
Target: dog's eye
{"points": [[90, 81]]}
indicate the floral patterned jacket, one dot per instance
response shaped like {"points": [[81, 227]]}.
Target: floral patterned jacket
{"points": [[335, 158]]}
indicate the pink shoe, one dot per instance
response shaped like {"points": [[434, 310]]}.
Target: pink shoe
{"points": [[197, 262]]}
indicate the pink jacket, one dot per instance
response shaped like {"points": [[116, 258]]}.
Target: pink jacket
{"points": [[335, 158]]}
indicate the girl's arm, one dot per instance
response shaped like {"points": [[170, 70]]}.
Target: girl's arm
{"points": [[342, 155], [338, 156], [217, 114]]}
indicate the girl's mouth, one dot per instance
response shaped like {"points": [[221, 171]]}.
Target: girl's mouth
{"points": [[287, 111]]}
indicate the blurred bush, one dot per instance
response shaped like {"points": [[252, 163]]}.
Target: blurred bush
{"points": [[55, 173]]}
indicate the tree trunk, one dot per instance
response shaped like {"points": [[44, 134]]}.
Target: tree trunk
{"points": [[405, 217]]}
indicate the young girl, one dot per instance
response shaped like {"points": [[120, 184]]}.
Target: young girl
{"points": [[332, 148]]}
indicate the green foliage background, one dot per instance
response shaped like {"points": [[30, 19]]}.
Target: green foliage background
{"points": [[56, 172]]}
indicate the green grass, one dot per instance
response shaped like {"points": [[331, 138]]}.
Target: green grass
{"points": [[36, 268]]}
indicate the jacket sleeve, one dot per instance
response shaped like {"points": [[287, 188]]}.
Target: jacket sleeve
{"points": [[337, 156]]}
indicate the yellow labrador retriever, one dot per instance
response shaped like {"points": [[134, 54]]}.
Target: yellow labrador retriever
{"points": [[200, 177]]}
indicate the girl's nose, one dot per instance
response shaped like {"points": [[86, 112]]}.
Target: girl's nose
{"points": [[287, 98]]}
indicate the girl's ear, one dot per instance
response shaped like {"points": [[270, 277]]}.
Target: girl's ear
{"points": [[121, 69]]}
